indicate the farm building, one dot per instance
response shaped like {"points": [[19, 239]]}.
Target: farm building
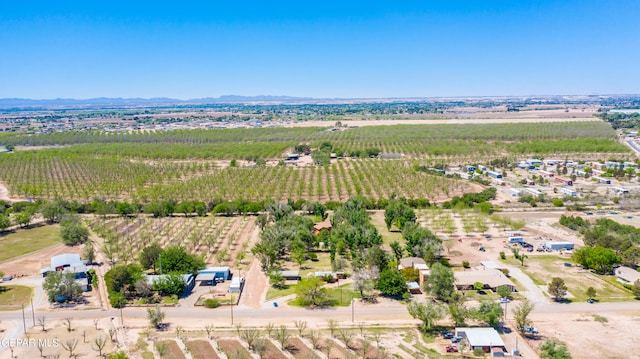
{"points": [[500, 182], [534, 162], [411, 262], [322, 226], [556, 246], [236, 285], [485, 339], [568, 192], [492, 279], [70, 263], [627, 275], [482, 168], [515, 192], [464, 175], [292, 275], [515, 239], [213, 275], [471, 168], [597, 172], [580, 173], [414, 287]]}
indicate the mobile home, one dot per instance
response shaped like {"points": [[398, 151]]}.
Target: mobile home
{"points": [[568, 192], [602, 180], [494, 174], [556, 246], [515, 192]]}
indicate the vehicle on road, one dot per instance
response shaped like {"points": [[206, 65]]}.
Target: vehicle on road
{"points": [[588, 213], [590, 301], [504, 300]]}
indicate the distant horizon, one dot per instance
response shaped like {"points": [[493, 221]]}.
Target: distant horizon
{"points": [[294, 97], [329, 49]]}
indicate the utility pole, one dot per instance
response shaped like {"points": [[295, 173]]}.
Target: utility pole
{"points": [[232, 310], [24, 322], [33, 313], [352, 310], [121, 317]]}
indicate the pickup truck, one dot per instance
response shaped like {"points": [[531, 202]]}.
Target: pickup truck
{"points": [[530, 329]]}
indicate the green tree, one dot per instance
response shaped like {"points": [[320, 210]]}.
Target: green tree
{"points": [[521, 314], [398, 251], [440, 283], [53, 211], [428, 312], [89, 252], [73, 231], [421, 242], [176, 259], [504, 291], [591, 293], [597, 258], [310, 291], [458, 312], [391, 283], [636, 288], [24, 218], [489, 312], [155, 316], [557, 288], [399, 213], [5, 222], [62, 284], [149, 256], [171, 284], [552, 349]]}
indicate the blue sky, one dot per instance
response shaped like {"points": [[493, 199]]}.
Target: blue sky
{"points": [[326, 49]]}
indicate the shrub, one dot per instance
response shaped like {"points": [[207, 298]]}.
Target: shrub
{"points": [[211, 303], [466, 264], [503, 256], [313, 257]]}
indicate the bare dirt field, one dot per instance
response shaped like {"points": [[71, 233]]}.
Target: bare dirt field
{"points": [[32, 263]]}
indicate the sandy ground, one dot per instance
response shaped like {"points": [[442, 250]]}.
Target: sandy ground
{"points": [[30, 264]]}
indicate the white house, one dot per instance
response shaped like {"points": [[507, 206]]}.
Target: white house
{"points": [[486, 339], [627, 275]]}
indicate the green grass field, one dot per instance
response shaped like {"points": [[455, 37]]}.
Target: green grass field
{"points": [[13, 296], [25, 241]]}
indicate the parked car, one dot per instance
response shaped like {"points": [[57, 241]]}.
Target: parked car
{"points": [[613, 212], [504, 300], [530, 329], [588, 213], [446, 334], [481, 249], [590, 301], [456, 339], [451, 349]]}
